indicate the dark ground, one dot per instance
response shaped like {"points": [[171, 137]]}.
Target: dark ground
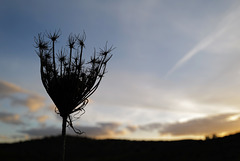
{"points": [[84, 149]]}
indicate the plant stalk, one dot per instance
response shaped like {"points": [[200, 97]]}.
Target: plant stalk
{"points": [[54, 64], [70, 61], [64, 137]]}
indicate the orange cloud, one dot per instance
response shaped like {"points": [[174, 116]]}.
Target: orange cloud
{"points": [[42, 119], [218, 124], [7, 89], [108, 130], [30, 100], [34, 102], [10, 118]]}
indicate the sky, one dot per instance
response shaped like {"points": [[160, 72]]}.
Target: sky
{"points": [[175, 72]]}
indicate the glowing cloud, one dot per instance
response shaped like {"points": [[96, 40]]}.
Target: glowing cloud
{"points": [[218, 124], [7, 89], [32, 100], [42, 119]]}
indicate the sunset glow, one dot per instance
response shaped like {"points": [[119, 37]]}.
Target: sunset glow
{"points": [[175, 72]]}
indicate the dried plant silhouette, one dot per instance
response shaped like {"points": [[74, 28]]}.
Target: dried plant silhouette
{"points": [[68, 80]]}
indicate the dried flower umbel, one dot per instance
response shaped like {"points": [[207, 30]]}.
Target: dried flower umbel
{"points": [[68, 80]]}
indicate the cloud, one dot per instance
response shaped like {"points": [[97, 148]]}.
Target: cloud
{"points": [[43, 131], [107, 130], [42, 119], [217, 124], [7, 89], [218, 98], [13, 138], [220, 92], [222, 124], [135, 90], [132, 128], [146, 98], [20, 97], [101, 130], [34, 102], [9, 118], [151, 127], [151, 93]]}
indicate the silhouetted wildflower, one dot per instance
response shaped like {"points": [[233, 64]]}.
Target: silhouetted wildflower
{"points": [[68, 80], [53, 36]]}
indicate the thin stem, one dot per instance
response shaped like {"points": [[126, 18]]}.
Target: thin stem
{"points": [[54, 64], [70, 60], [64, 137], [80, 61], [61, 68]]}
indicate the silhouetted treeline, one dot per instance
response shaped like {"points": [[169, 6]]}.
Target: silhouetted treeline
{"points": [[219, 149]]}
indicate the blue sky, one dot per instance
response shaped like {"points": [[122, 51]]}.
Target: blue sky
{"points": [[174, 74]]}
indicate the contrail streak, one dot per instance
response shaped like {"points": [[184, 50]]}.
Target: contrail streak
{"points": [[227, 21]]}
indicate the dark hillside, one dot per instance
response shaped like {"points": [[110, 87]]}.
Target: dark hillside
{"points": [[84, 149]]}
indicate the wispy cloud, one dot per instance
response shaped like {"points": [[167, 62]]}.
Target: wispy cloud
{"points": [[30, 100], [227, 22], [7, 89], [10, 118]]}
